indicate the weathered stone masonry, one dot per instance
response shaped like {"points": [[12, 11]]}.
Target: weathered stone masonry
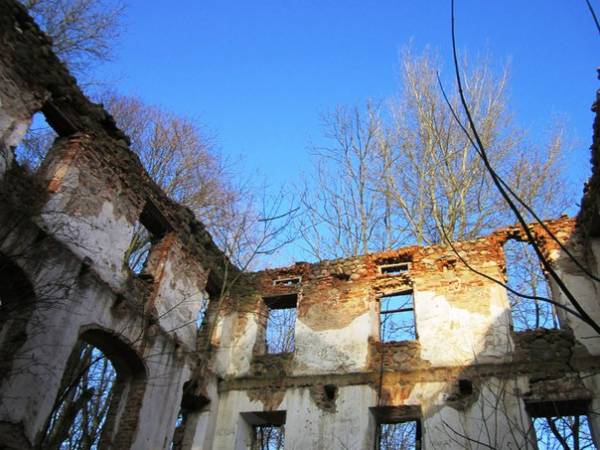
{"points": [[64, 230]]}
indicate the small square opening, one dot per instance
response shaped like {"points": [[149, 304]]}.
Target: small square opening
{"points": [[289, 281], [394, 269]]}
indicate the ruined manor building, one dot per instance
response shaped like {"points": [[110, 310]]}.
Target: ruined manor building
{"points": [[299, 355]]}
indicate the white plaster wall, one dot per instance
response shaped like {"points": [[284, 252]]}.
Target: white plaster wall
{"points": [[592, 382], [331, 351], [13, 125], [454, 336], [162, 401], [496, 420], [178, 302], [12, 131], [586, 292], [200, 428], [307, 426], [234, 353], [103, 238], [28, 396]]}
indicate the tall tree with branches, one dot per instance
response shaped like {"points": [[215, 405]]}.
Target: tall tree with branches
{"points": [[83, 32], [405, 172]]}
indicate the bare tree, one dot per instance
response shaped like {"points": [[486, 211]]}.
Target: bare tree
{"points": [[344, 211], [83, 32], [438, 178], [179, 155], [406, 173]]}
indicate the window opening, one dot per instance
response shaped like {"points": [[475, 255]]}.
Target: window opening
{"points": [[465, 387], [202, 311], [147, 231], [562, 424], [281, 324], [268, 437], [404, 435], [268, 429], [178, 434], [397, 317], [394, 269], [292, 281], [36, 143], [525, 275], [552, 432], [82, 406], [139, 248]]}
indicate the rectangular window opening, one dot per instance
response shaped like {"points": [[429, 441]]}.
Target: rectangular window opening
{"points": [[204, 300], [398, 427], [36, 143], [268, 437], [147, 231], [405, 435], [558, 423], [524, 275], [291, 281], [281, 323], [268, 429], [397, 318], [394, 269]]}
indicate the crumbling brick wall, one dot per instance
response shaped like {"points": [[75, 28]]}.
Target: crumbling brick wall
{"points": [[65, 228]]}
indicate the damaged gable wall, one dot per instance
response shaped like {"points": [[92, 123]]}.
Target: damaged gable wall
{"points": [[466, 375], [464, 335]]}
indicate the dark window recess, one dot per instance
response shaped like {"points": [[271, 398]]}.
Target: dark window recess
{"points": [[281, 323], [268, 429], [465, 387], [563, 424], [397, 318], [291, 281], [147, 231], [330, 391], [394, 269]]}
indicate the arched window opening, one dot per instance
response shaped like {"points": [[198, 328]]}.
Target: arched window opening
{"points": [[525, 275], [91, 393], [82, 407]]}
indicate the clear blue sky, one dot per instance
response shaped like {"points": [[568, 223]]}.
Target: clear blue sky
{"points": [[260, 73]]}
